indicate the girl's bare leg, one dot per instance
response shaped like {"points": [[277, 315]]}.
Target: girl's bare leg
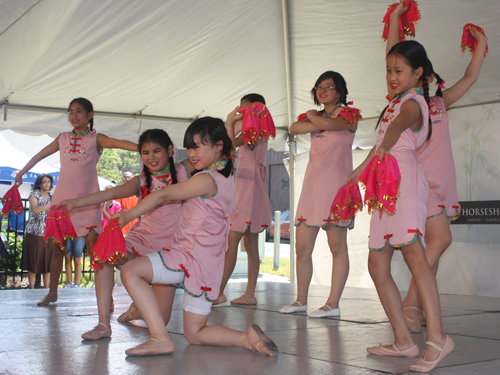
{"points": [[69, 268], [56, 264], [31, 280], [46, 277], [78, 270], [251, 241], [229, 262], [337, 240], [306, 237], [379, 266]]}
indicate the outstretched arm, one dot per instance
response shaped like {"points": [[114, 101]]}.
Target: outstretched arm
{"points": [[52, 148], [107, 142], [471, 74], [131, 187], [354, 175], [199, 185]]}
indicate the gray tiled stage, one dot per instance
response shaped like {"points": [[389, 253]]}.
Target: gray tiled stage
{"points": [[36, 340]]}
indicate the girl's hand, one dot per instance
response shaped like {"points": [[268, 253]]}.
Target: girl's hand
{"points": [[354, 176], [122, 218], [382, 151], [234, 116], [19, 179], [400, 9], [67, 204], [478, 35], [337, 111], [311, 113]]}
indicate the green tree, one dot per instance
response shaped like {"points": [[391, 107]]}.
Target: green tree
{"points": [[115, 162]]}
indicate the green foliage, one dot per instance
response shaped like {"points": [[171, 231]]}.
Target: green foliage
{"points": [[115, 162], [267, 267], [13, 261]]}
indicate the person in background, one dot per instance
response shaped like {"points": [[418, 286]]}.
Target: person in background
{"points": [[128, 203], [36, 253], [74, 252]]}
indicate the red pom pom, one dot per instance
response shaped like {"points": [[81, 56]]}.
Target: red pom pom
{"points": [[350, 114], [302, 116], [144, 192], [469, 41], [407, 20], [257, 123], [381, 179], [12, 201], [346, 203], [59, 226], [110, 246]]}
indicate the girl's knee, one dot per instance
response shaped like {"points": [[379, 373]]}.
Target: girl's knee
{"points": [[192, 336]]}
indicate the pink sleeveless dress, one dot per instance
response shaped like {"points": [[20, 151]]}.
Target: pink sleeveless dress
{"points": [[199, 245], [407, 223], [157, 227], [437, 158], [251, 196], [78, 177], [330, 163]]}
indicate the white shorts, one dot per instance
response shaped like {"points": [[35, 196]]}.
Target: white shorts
{"points": [[162, 275]]}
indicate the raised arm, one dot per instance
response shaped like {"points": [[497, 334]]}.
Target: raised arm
{"points": [[471, 74], [52, 148], [394, 26], [107, 142], [234, 127], [199, 185]]}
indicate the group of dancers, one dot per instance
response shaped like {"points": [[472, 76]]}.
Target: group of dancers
{"points": [[194, 213]]}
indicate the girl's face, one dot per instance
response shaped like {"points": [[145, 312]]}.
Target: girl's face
{"points": [[244, 103], [45, 184], [400, 76], [325, 94], [78, 117], [203, 155], [155, 157]]}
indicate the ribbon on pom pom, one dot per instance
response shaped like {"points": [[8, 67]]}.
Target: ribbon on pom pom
{"points": [[469, 41], [59, 226], [257, 123], [110, 246], [407, 20], [381, 179], [346, 203], [12, 201]]}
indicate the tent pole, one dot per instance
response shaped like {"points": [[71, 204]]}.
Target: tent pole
{"points": [[291, 137]]}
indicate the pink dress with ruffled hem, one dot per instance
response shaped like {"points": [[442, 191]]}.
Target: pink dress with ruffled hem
{"points": [[157, 227], [437, 158], [407, 223], [199, 245], [251, 196], [78, 177], [330, 163]]}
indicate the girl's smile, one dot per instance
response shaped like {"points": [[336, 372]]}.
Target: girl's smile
{"points": [[155, 157], [400, 76], [326, 93], [78, 117], [203, 155]]}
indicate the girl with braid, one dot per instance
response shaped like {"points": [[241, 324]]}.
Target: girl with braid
{"points": [[405, 126], [80, 151], [153, 232], [443, 197]]}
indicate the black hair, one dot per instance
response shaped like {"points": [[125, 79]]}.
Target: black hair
{"points": [[253, 98], [38, 181], [439, 80], [211, 130], [415, 56], [87, 106], [161, 138], [340, 86]]}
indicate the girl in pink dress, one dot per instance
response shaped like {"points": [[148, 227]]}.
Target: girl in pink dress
{"points": [[80, 151], [153, 232], [443, 198], [195, 260], [330, 162], [251, 199], [405, 127]]}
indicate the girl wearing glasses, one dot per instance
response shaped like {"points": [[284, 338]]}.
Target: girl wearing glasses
{"points": [[330, 163], [80, 151]]}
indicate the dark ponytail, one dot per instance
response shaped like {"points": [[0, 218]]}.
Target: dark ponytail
{"points": [[161, 138], [425, 86], [87, 106], [211, 130]]}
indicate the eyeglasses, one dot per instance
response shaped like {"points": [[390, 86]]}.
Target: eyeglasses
{"points": [[77, 113], [324, 88]]}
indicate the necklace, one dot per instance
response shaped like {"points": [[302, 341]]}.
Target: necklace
{"points": [[328, 114], [219, 164], [87, 131], [164, 175]]}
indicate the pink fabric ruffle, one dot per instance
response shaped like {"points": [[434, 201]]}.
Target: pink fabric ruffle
{"points": [[110, 246], [59, 226], [407, 20], [346, 203], [12, 201], [469, 41], [381, 179], [257, 123]]}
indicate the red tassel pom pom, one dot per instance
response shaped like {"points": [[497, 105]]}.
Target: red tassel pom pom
{"points": [[257, 123], [110, 246], [346, 203], [59, 226], [407, 20], [469, 41], [12, 201]]}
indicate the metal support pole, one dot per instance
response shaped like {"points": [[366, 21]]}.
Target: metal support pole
{"points": [[277, 239]]}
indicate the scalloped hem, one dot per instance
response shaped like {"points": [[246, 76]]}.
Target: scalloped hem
{"points": [[349, 226], [443, 210], [248, 227], [399, 246]]}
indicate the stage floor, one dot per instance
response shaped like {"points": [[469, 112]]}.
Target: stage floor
{"points": [[46, 340]]}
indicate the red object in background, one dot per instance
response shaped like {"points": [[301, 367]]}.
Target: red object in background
{"points": [[257, 123], [347, 203], [110, 246], [12, 201], [407, 20], [285, 225], [381, 179], [59, 226], [469, 41]]}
